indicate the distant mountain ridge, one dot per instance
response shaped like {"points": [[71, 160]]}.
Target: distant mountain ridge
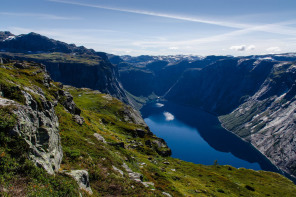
{"points": [[33, 42], [155, 75]]}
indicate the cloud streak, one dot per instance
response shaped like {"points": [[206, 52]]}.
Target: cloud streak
{"points": [[277, 28], [39, 15], [164, 15]]}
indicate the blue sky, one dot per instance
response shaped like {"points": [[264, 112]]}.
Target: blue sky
{"points": [[162, 27]]}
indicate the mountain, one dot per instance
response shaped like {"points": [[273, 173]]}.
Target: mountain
{"points": [[33, 42], [64, 141], [66, 63]]}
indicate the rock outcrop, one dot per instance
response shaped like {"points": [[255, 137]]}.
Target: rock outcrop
{"points": [[39, 128], [33, 102]]}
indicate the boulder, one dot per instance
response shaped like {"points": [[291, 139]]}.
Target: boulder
{"points": [[78, 119], [66, 99], [82, 178], [100, 138]]}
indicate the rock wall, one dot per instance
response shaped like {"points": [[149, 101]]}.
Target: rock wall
{"points": [[267, 119]]}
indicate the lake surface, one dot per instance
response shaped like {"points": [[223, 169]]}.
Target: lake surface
{"points": [[197, 136]]}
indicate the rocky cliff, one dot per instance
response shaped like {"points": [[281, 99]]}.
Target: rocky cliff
{"points": [[267, 119]]}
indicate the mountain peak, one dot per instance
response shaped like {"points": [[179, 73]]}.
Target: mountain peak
{"points": [[4, 35]]}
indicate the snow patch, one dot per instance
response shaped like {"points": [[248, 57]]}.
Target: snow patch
{"points": [[10, 38]]}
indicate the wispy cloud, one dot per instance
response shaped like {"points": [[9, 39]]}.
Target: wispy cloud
{"points": [[204, 40], [164, 15], [39, 15], [277, 28]]}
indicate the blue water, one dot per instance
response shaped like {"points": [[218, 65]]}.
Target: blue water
{"points": [[197, 136]]}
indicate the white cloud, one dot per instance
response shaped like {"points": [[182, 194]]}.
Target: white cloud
{"points": [[238, 48], [273, 49], [243, 48], [174, 48], [168, 116], [251, 48]]}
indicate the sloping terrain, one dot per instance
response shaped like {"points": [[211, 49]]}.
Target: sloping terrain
{"points": [[105, 146]]}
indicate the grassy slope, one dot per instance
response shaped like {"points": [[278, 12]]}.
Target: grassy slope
{"points": [[104, 115]]}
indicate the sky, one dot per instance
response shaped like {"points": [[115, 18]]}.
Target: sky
{"points": [[159, 27]]}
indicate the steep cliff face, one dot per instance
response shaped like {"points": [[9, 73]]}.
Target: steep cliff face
{"points": [[267, 119], [102, 76], [221, 86]]}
